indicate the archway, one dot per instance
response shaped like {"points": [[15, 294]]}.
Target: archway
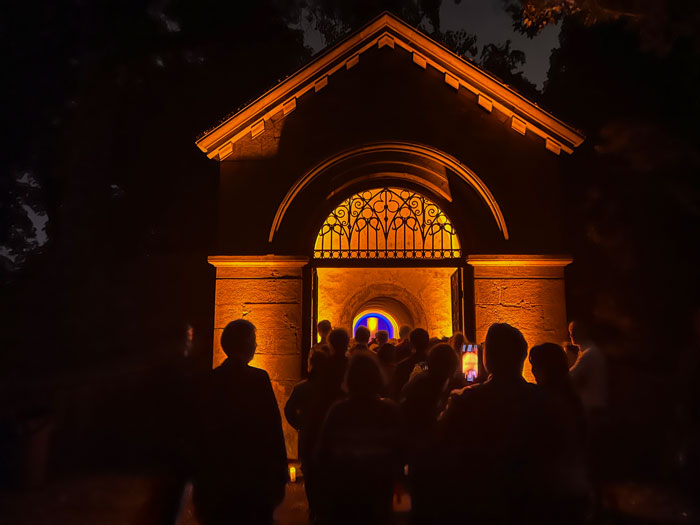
{"points": [[382, 313], [390, 254], [422, 165]]}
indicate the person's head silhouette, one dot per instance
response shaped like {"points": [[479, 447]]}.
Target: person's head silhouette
{"points": [[457, 340], [238, 340], [442, 361], [549, 364], [324, 328], [580, 333], [420, 340], [404, 332], [362, 334], [386, 354], [364, 377], [381, 337], [505, 350], [318, 358], [339, 340]]}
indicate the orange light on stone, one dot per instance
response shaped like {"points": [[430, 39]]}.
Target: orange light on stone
{"points": [[525, 291], [292, 475], [264, 290]]}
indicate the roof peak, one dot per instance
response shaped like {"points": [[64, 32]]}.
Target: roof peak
{"points": [[387, 29]]}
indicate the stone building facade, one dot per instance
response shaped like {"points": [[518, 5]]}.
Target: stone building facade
{"points": [[385, 109]]}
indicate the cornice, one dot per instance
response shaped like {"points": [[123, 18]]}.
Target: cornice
{"points": [[389, 31], [519, 260], [250, 261]]}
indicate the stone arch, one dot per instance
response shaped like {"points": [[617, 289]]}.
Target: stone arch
{"points": [[424, 166]]}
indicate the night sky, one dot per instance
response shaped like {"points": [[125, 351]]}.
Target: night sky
{"points": [[491, 24]]}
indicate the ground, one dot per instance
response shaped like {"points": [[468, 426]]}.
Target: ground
{"points": [[111, 499]]}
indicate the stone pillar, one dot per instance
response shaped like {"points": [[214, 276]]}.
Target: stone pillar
{"points": [[267, 291], [526, 291]]}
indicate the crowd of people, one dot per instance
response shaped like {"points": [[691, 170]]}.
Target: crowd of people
{"points": [[378, 416]]}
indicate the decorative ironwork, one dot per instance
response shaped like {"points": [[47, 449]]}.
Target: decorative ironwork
{"points": [[387, 223]]}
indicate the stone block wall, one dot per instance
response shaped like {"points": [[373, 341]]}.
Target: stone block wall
{"points": [[526, 291], [268, 292]]}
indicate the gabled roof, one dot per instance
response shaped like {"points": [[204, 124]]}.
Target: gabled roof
{"points": [[388, 30]]}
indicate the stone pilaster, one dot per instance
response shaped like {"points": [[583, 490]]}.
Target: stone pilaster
{"points": [[526, 291], [267, 291]]}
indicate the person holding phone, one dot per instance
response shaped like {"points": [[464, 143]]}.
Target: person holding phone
{"points": [[462, 347]]}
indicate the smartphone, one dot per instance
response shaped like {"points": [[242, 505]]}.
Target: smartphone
{"points": [[470, 362]]}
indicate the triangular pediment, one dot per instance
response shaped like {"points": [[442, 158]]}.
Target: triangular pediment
{"points": [[389, 31]]}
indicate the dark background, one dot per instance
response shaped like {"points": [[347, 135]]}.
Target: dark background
{"points": [[102, 103]]}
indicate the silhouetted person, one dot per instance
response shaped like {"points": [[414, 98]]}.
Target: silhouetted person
{"points": [[572, 352], [338, 342], [550, 368], [359, 449], [422, 400], [403, 347], [566, 453], [458, 342], [381, 337], [305, 411], [425, 396], [387, 360], [420, 340], [362, 335], [590, 372], [241, 461], [324, 329], [493, 437]]}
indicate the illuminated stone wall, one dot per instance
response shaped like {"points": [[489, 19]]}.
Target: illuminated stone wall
{"points": [[425, 292], [526, 291], [267, 291]]}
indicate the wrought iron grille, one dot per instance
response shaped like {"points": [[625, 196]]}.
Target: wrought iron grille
{"points": [[387, 223]]}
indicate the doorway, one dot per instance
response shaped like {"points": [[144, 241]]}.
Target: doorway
{"points": [[418, 297], [388, 256]]}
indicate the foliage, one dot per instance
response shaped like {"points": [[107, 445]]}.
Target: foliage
{"points": [[22, 208], [505, 62], [632, 189], [461, 42], [106, 101], [335, 19], [659, 23]]}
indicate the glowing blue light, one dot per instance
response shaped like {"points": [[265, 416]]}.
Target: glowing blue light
{"points": [[382, 324]]}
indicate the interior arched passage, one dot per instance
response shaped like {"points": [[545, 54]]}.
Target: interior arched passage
{"points": [[384, 308]]}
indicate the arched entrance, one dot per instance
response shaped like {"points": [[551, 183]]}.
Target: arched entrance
{"points": [[388, 256]]}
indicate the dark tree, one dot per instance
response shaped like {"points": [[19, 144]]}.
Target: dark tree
{"points": [[504, 62], [106, 100]]}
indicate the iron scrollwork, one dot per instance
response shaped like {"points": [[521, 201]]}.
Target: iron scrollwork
{"points": [[387, 223]]}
